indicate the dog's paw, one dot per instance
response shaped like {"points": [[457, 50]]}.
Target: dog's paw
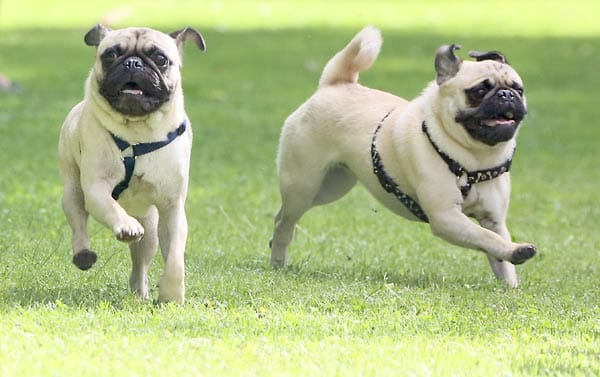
{"points": [[84, 259], [278, 262], [171, 290], [279, 257], [522, 254], [129, 231]]}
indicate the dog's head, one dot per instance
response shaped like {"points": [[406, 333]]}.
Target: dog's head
{"points": [[137, 69], [485, 96]]}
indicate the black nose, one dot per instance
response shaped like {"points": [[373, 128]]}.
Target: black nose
{"points": [[506, 95], [133, 63]]}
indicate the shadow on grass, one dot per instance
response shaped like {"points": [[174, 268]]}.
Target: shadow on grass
{"points": [[69, 296], [413, 275]]}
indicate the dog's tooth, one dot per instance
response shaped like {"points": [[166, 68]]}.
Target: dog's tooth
{"points": [[509, 115], [135, 92]]}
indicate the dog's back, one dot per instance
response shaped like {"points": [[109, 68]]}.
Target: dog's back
{"points": [[340, 106]]}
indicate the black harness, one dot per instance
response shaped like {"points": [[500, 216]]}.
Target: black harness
{"points": [[462, 175], [388, 183], [471, 177], [139, 150]]}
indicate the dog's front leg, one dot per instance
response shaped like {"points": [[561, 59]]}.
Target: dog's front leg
{"points": [[172, 235], [455, 227], [503, 270], [142, 253], [100, 204], [73, 204]]}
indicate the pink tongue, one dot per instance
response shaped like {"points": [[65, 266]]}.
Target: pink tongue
{"points": [[499, 122]]}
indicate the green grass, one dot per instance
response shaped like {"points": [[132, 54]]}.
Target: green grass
{"points": [[367, 292]]}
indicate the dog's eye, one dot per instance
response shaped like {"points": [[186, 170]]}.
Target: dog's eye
{"points": [[518, 89], [111, 55], [478, 92], [160, 60]]}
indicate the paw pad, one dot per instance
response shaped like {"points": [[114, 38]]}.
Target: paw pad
{"points": [[85, 259]]}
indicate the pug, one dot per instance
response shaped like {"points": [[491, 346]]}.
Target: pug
{"points": [[441, 158], [124, 152]]}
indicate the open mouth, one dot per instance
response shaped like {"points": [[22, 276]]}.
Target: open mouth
{"points": [[134, 96], [491, 129], [132, 89], [506, 119]]}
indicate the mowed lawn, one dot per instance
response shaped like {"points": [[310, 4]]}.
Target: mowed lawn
{"points": [[367, 293]]}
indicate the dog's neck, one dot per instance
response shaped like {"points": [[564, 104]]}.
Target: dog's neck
{"points": [[467, 178], [451, 137]]}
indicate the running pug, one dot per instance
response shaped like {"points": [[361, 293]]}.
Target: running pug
{"points": [[124, 152], [441, 158]]}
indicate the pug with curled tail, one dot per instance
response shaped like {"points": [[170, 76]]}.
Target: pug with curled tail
{"points": [[124, 152], [442, 158]]}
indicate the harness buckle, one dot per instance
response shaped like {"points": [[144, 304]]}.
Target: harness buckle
{"points": [[128, 152], [462, 179]]}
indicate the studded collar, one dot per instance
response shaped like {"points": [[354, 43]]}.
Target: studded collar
{"points": [[468, 178]]}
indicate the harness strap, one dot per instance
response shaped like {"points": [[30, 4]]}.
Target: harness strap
{"points": [[471, 177], [388, 183], [129, 163], [456, 168], [140, 149]]}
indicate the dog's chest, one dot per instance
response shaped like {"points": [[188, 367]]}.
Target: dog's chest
{"points": [[147, 175], [487, 197], [158, 178]]}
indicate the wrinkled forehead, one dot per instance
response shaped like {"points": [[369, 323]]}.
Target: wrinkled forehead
{"points": [[139, 39], [497, 73]]}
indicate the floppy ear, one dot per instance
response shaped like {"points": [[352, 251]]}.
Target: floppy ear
{"points": [[95, 35], [188, 34], [488, 55], [447, 63]]}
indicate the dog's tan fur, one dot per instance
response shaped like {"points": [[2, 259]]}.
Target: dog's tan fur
{"points": [[151, 210], [325, 149]]}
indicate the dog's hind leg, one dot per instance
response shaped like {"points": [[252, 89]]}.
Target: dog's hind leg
{"points": [[142, 253], [336, 183], [300, 191], [289, 213]]}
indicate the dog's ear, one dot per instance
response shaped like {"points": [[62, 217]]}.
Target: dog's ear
{"points": [[96, 35], [488, 55], [188, 34], [447, 63]]}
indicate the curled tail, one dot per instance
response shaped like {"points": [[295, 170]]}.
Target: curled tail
{"points": [[359, 55]]}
